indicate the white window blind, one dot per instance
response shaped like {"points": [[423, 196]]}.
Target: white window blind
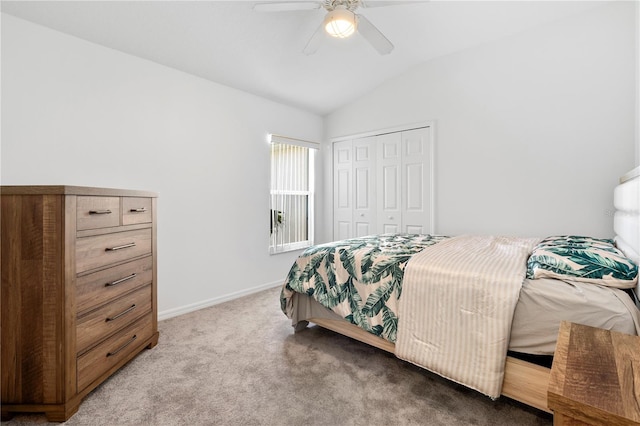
{"points": [[292, 197]]}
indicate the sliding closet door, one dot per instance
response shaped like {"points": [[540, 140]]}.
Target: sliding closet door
{"points": [[342, 190], [416, 181]]}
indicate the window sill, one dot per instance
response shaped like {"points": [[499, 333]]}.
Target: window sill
{"points": [[290, 247]]}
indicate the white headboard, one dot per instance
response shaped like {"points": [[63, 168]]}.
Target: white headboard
{"points": [[626, 220]]}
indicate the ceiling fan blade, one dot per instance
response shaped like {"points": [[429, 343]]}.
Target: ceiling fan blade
{"points": [[314, 42], [376, 3], [374, 36], [284, 6]]}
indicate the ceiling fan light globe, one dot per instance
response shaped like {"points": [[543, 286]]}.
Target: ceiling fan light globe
{"points": [[340, 23]]}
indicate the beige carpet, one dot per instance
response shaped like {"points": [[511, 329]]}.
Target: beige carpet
{"points": [[239, 363]]}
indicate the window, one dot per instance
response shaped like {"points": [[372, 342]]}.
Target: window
{"points": [[292, 184]]}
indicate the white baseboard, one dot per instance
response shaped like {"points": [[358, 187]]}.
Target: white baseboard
{"points": [[174, 312]]}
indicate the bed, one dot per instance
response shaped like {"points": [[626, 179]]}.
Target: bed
{"points": [[396, 292]]}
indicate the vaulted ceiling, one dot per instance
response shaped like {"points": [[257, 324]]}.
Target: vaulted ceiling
{"points": [[231, 43]]}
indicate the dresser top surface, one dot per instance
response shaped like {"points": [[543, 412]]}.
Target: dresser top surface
{"points": [[72, 190]]}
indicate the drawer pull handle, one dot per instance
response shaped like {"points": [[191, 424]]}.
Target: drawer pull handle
{"points": [[121, 280], [126, 311], [99, 211], [123, 346], [140, 210], [124, 246]]}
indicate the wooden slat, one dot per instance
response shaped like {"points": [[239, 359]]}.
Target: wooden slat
{"points": [[354, 332], [526, 382]]}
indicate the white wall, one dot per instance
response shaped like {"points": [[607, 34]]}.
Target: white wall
{"points": [[532, 131], [637, 83], [75, 113]]}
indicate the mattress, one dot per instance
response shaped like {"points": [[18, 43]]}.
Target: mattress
{"points": [[545, 302], [542, 305]]}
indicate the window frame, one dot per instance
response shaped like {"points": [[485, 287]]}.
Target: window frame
{"points": [[313, 148]]}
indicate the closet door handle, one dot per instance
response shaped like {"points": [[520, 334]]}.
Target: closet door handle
{"points": [[123, 346], [121, 280], [99, 211], [126, 311], [124, 246], [139, 210]]}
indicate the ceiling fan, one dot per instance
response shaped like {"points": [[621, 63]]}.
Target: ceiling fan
{"points": [[341, 21]]}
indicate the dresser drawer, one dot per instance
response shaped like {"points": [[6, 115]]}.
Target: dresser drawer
{"points": [[98, 324], [107, 354], [136, 210], [95, 289], [103, 250], [97, 212]]}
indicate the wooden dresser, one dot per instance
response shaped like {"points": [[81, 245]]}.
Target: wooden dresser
{"points": [[78, 292]]}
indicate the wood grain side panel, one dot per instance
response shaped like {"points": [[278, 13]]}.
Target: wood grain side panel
{"points": [[560, 419], [154, 283], [32, 360], [593, 369], [627, 361], [32, 285], [10, 298], [70, 303], [53, 298], [559, 370]]}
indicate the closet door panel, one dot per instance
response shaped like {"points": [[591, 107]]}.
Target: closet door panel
{"points": [[364, 163], [415, 188], [343, 194], [389, 182], [342, 190], [416, 181]]}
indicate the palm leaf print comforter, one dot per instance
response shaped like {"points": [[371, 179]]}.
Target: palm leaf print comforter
{"points": [[359, 279]]}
